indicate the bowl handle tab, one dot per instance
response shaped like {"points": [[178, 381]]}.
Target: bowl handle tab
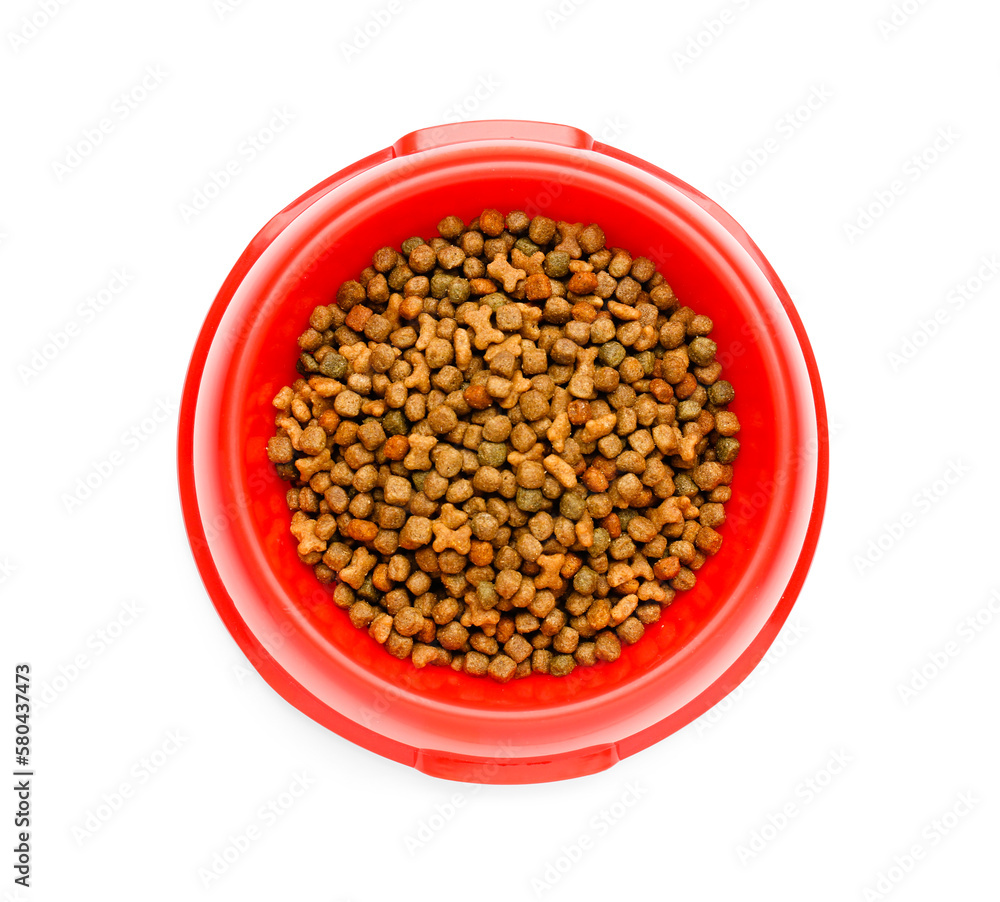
{"points": [[501, 769], [491, 130]]}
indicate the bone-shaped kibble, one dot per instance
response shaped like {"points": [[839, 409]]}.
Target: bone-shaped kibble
{"points": [[557, 433], [491, 352], [668, 512], [325, 387], [292, 428], [641, 567], [623, 312], [463, 349], [310, 466], [498, 387], [559, 401], [585, 530], [585, 358], [530, 314], [459, 539], [354, 573], [569, 232], [304, 529], [647, 339], [501, 270], [486, 334], [561, 470], [623, 610], [392, 309], [618, 574], [549, 578], [652, 591], [519, 385], [420, 378], [532, 265], [359, 357], [687, 447], [453, 517], [428, 331], [512, 343], [666, 438], [418, 457], [479, 617], [600, 427], [283, 399]]}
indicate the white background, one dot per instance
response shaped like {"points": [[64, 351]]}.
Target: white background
{"points": [[697, 88]]}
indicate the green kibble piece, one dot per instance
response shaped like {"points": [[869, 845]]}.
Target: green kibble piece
{"points": [[701, 351], [721, 393], [726, 450], [492, 454], [495, 301], [611, 354], [418, 477], [394, 423], [488, 595], [646, 360], [440, 284], [526, 246], [410, 244], [458, 290], [625, 517], [585, 581], [531, 501], [572, 507], [602, 539], [685, 485], [334, 366], [556, 264], [688, 410]]}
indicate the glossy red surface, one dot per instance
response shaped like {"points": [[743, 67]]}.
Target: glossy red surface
{"points": [[446, 723]]}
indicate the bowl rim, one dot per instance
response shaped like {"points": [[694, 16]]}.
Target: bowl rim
{"points": [[466, 767]]}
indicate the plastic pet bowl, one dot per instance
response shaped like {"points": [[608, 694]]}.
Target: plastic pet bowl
{"points": [[441, 722]]}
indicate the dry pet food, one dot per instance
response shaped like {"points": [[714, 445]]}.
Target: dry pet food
{"points": [[510, 446]]}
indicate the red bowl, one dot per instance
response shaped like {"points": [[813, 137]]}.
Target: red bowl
{"points": [[441, 722]]}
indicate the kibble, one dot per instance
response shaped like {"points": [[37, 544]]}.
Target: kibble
{"points": [[509, 446]]}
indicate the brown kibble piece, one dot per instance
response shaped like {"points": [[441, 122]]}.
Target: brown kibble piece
{"points": [[408, 622], [279, 449], [502, 668], [415, 533], [561, 665], [708, 540], [518, 648], [609, 647], [630, 631], [477, 397], [582, 283], [396, 447], [538, 287]]}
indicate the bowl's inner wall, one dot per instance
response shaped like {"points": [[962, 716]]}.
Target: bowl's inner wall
{"points": [[254, 353]]}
